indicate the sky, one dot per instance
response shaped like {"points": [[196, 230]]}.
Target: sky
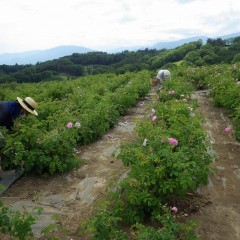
{"points": [[27, 25]]}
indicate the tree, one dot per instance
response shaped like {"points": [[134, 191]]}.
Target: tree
{"points": [[216, 42], [192, 56], [210, 58]]}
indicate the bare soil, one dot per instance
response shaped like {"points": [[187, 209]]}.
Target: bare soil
{"points": [[214, 207], [220, 220]]}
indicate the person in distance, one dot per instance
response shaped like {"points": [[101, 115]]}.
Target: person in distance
{"points": [[162, 75]]}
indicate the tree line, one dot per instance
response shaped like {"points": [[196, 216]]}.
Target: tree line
{"points": [[196, 53]]}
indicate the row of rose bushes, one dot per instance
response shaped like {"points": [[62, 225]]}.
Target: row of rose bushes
{"points": [[168, 159], [71, 113], [223, 81]]}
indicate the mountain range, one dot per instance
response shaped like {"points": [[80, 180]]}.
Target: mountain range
{"points": [[33, 57]]}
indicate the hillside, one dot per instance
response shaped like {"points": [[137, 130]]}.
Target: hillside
{"points": [[196, 53]]}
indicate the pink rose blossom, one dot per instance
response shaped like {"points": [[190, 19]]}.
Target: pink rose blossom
{"points": [[69, 125], [228, 129], [174, 209], [173, 141], [154, 118]]}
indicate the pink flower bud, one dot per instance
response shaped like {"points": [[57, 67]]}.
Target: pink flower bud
{"points": [[69, 125], [228, 129], [174, 209], [154, 118]]}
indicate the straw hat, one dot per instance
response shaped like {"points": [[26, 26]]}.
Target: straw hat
{"points": [[29, 104]]}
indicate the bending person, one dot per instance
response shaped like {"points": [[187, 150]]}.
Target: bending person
{"points": [[10, 110], [162, 76]]}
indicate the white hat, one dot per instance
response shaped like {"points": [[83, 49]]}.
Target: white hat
{"points": [[29, 104], [167, 73]]}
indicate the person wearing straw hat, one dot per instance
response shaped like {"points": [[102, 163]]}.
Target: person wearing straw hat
{"points": [[162, 76], [10, 110]]}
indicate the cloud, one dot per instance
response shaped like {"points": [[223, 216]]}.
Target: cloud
{"points": [[185, 1], [221, 23], [40, 24]]}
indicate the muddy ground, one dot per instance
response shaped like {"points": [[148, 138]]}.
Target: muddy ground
{"points": [[73, 196]]}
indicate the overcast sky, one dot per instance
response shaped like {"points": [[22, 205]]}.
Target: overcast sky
{"points": [[105, 24]]}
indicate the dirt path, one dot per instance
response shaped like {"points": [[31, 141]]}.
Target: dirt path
{"points": [[220, 220], [73, 195]]}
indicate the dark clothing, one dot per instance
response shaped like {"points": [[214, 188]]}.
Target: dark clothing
{"points": [[9, 111]]}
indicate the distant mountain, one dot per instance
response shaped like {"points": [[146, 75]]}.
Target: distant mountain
{"points": [[32, 57], [161, 45], [233, 35], [174, 44]]}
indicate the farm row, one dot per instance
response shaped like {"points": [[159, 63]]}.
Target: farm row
{"points": [[169, 159], [223, 81], [71, 113]]}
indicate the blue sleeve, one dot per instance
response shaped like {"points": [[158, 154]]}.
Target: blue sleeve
{"points": [[9, 111]]}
